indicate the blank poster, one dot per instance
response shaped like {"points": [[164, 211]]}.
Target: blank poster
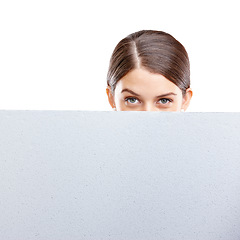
{"points": [[119, 175]]}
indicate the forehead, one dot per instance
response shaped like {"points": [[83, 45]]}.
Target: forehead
{"points": [[145, 83]]}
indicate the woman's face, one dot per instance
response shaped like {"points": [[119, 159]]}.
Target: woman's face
{"points": [[140, 90]]}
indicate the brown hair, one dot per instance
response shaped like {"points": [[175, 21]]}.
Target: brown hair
{"points": [[155, 51]]}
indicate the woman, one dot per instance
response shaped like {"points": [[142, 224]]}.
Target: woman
{"points": [[149, 71]]}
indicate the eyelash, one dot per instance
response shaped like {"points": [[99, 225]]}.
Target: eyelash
{"points": [[168, 99], [128, 98]]}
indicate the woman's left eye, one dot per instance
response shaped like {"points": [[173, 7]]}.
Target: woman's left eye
{"points": [[164, 100]]}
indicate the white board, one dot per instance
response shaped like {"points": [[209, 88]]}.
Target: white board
{"points": [[119, 175]]}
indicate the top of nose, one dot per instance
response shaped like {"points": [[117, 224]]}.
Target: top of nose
{"points": [[149, 108]]}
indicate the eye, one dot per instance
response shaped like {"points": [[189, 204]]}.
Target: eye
{"points": [[131, 100], [165, 100]]}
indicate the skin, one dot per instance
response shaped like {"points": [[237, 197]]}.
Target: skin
{"points": [[140, 90]]}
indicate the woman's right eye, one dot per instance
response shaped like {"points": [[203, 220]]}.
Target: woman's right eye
{"points": [[131, 100]]}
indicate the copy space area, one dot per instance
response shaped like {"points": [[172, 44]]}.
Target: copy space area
{"points": [[119, 175]]}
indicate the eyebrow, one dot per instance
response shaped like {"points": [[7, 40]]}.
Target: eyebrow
{"points": [[132, 92], [166, 94]]}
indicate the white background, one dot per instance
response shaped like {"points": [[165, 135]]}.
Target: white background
{"points": [[54, 55]]}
